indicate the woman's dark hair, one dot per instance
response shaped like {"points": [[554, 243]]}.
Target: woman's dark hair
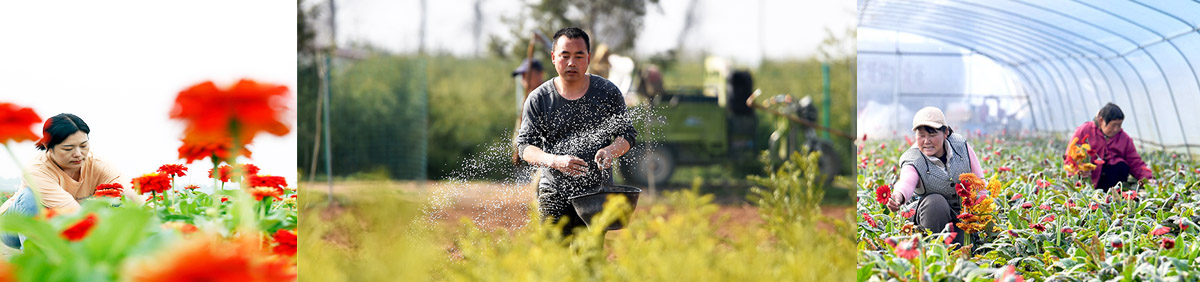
{"points": [[58, 127], [1110, 113], [930, 129]]}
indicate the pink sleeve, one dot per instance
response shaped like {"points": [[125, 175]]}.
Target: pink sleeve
{"points": [[907, 182], [1136, 166], [975, 167]]}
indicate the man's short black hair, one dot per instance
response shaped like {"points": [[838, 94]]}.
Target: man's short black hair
{"points": [[1110, 113], [572, 33]]}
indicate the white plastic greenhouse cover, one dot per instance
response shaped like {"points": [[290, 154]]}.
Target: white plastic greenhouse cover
{"points": [[1056, 63]]}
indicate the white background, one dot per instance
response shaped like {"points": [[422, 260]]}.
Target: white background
{"points": [[119, 65]]}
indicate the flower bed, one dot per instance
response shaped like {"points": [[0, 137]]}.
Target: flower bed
{"points": [[1044, 222]]}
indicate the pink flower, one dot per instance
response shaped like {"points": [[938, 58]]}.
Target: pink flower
{"points": [[1027, 205], [1116, 243], [1094, 206], [1038, 226], [870, 221], [950, 237], [1044, 207], [1067, 230], [1015, 197], [1048, 218], [1160, 230], [908, 213]]}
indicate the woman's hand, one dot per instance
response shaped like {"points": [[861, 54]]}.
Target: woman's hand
{"points": [[570, 165], [894, 202]]}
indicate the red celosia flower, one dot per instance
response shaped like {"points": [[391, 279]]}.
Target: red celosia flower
{"points": [[108, 190], [262, 192], [207, 258], [1160, 230], [196, 149], [152, 182], [191, 187], [248, 106], [1167, 243], [16, 123], [882, 193], [80, 229], [285, 242], [870, 221], [173, 170]]}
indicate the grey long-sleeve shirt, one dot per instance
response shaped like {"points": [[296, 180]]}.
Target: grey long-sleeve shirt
{"points": [[573, 127]]}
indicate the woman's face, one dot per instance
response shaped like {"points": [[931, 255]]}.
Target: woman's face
{"points": [[71, 153], [1111, 128], [931, 144]]}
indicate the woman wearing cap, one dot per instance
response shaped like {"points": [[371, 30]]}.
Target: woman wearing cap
{"points": [[929, 170], [66, 174], [1112, 150]]}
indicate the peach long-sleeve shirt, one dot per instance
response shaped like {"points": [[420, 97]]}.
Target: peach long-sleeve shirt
{"points": [[58, 190]]}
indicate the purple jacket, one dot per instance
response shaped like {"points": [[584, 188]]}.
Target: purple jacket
{"points": [[1112, 150]]}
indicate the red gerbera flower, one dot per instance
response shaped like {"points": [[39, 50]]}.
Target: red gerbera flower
{"points": [[965, 216], [1044, 207], [173, 170], [152, 182], [1048, 218], [1130, 195], [1005, 169], [1015, 197], [285, 242], [1167, 243], [1094, 206], [1038, 226], [191, 187], [225, 172], [1160, 230], [882, 193], [906, 214], [1067, 230], [908, 249], [17, 123], [1116, 243], [1009, 274], [870, 221], [950, 237], [1027, 205], [80, 229]]}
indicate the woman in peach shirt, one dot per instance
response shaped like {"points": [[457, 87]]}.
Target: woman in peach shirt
{"points": [[66, 174]]}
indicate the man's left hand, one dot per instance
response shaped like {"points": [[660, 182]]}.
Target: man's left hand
{"points": [[604, 158]]}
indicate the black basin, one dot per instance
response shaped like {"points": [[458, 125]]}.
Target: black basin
{"points": [[589, 205]]}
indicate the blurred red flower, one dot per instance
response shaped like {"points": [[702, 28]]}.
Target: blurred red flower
{"points": [[16, 123], [225, 172], [173, 170], [266, 181], [191, 187], [206, 258], [246, 108], [152, 182], [183, 227], [194, 149], [870, 221], [263, 192], [1160, 230], [108, 190], [1038, 226], [80, 229], [285, 242], [1009, 274]]}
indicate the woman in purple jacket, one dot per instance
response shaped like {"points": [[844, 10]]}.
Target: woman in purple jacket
{"points": [[1111, 145]]}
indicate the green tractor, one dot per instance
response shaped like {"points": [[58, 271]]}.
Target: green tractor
{"points": [[695, 127]]}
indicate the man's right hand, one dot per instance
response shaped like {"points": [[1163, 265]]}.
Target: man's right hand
{"points": [[570, 165], [894, 202]]}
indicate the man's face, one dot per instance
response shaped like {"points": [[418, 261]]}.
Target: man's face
{"points": [[533, 79], [570, 58]]}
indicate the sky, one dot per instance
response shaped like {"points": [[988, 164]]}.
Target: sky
{"points": [[744, 31], [118, 65]]}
